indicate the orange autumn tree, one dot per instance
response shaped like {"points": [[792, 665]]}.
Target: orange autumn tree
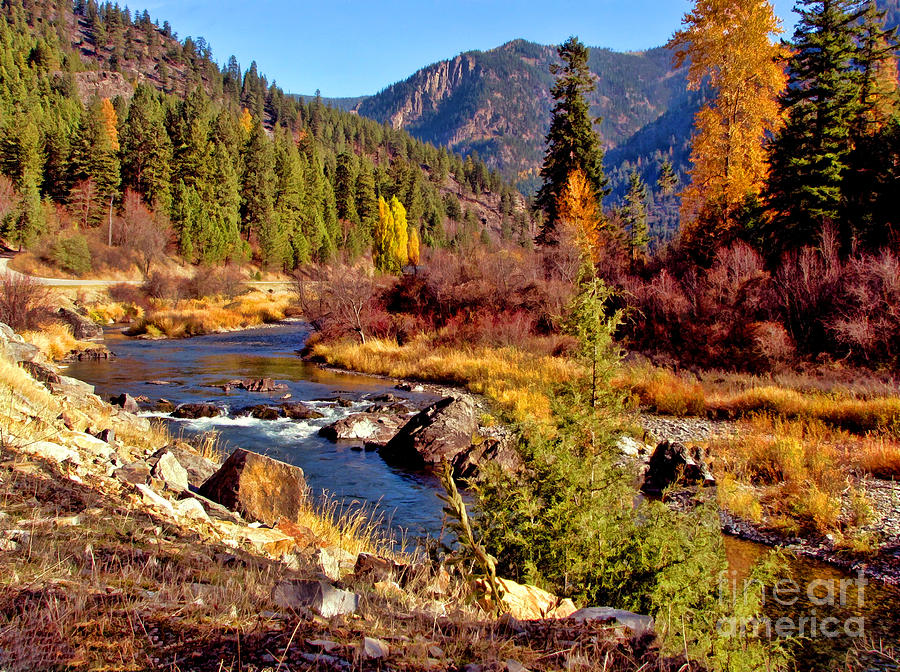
{"points": [[729, 44], [580, 214]]}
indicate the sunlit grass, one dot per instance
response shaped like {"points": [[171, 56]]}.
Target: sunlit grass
{"points": [[663, 391], [56, 341], [517, 380], [194, 317]]}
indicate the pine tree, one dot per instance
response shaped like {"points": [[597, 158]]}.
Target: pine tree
{"points": [[635, 215], [345, 188], [728, 43], [146, 149], [258, 198], [668, 178], [810, 157], [572, 142]]}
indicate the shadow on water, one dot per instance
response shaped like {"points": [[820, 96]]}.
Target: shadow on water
{"points": [[833, 614]]}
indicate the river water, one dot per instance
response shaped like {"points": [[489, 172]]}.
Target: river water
{"points": [[406, 502]]}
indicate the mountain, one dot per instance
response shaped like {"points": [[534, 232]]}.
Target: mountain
{"points": [[496, 105]]}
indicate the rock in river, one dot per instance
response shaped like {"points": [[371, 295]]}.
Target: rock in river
{"points": [[195, 411], [443, 431], [373, 428], [672, 462]]}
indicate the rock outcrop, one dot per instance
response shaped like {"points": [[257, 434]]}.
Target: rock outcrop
{"points": [[443, 431], [127, 402], [258, 487], [14, 347], [674, 462], [82, 328]]}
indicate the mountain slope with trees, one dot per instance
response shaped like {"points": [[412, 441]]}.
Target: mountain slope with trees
{"points": [[109, 119]]}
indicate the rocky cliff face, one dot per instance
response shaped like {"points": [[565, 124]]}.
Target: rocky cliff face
{"points": [[432, 86]]}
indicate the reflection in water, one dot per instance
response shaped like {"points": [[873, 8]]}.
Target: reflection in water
{"points": [[837, 611], [198, 366]]}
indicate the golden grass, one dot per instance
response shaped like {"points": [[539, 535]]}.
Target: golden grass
{"points": [[662, 391], [517, 380], [114, 312], [798, 471], [56, 341], [194, 317]]}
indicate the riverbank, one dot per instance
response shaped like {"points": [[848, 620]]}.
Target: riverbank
{"points": [[104, 567]]}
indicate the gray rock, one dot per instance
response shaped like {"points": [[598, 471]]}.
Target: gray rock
{"points": [[373, 428], [42, 373], [127, 402], [443, 431], [165, 467], [640, 625], [318, 596], [198, 468], [374, 649], [298, 411], [82, 328], [15, 348], [52, 451]]}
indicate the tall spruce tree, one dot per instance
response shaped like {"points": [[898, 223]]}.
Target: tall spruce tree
{"points": [[635, 215], [810, 157], [146, 149], [572, 142]]}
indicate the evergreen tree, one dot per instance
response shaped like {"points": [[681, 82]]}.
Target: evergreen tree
{"points": [[572, 142], [345, 188], [668, 179], [810, 157], [146, 149], [635, 215]]}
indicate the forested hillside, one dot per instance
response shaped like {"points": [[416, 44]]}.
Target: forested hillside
{"points": [[102, 112]]}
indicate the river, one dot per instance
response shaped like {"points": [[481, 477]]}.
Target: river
{"points": [[407, 503]]}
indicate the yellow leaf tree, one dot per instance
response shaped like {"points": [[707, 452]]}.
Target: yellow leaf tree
{"points": [[580, 215], [246, 121], [390, 244], [730, 44], [414, 247], [110, 121]]}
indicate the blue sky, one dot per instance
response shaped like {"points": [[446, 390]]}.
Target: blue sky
{"points": [[347, 47]]}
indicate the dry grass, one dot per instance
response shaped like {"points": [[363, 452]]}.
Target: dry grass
{"points": [[56, 341], [662, 391], [517, 380], [194, 317], [115, 312], [796, 473]]}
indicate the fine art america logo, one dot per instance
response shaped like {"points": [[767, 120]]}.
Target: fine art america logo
{"points": [[813, 606]]}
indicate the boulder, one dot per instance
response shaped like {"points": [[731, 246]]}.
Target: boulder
{"points": [[529, 603], [82, 328], [198, 468], [500, 450], [136, 473], [443, 431], [373, 428], [298, 411], [304, 537], [41, 373], [191, 509], [72, 386], [258, 487], [196, 411], [674, 462], [374, 569], [638, 624], [165, 466], [52, 451], [15, 348], [318, 596], [260, 412], [164, 406], [127, 402]]}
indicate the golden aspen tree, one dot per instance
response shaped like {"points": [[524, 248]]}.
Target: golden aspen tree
{"points": [[413, 247], [580, 214], [246, 121], [729, 44], [401, 234], [110, 121]]}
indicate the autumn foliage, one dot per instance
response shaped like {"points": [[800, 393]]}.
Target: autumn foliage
{"points": [[728, 43]]}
